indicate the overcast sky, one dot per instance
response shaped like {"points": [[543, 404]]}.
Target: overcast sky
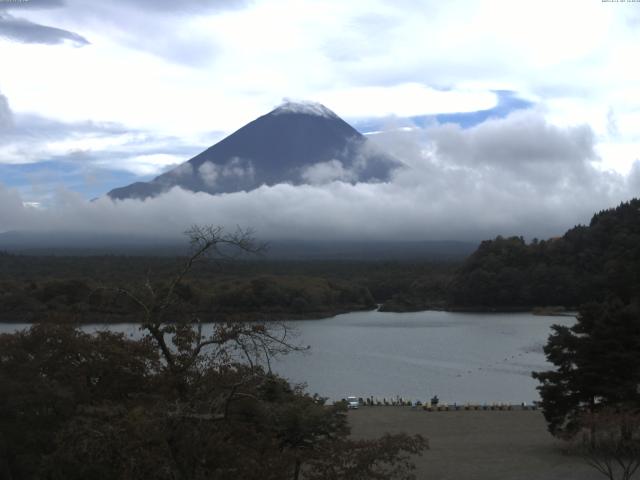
{"points": [[517, 116]]}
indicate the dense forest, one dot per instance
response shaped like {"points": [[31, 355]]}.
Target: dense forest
{"points": [[87, 288], [588, 263]]}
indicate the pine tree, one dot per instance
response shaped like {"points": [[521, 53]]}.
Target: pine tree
{"points": [[597, 364]]}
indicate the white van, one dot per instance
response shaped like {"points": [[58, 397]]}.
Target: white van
{"points": [[352, 402]]}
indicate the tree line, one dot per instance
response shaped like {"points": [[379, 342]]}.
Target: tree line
{"points": [[54, 288]]}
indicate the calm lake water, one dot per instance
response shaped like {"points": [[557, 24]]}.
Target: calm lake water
{"points": [[461, 357]]}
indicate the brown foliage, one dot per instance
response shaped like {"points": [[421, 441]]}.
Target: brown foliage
{"points": [[176, 404]]}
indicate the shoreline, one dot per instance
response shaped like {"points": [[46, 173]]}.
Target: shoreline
{"points": [[252, 316]]}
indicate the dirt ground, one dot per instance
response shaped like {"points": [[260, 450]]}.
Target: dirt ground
{"points": [[477, 445]]}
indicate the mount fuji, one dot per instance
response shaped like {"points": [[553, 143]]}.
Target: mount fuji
{"points": [[297, 143]]}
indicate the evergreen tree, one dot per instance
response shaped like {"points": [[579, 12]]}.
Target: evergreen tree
{"points": [[597, 364]]}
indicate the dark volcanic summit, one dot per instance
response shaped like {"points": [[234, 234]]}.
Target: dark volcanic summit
{"points": [[296, 143]]}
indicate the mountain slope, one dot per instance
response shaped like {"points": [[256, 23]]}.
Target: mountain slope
{"points": [[295, 143]]}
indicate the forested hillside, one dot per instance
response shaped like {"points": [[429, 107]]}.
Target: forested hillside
{"points": [[588, 263]]}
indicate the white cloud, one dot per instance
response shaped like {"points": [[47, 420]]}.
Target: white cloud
{"points": [[625, 154], [237, 167], [151, 164], [234, 168], [208, 171], [6, 117], [457, 184], [35, 147], [214, 69], [406, 100], [402, 58], [325, 172], [181, 170]]}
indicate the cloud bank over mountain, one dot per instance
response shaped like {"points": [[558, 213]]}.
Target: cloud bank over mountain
{"points": [[516, 175], [131, 105], [170, 95]]}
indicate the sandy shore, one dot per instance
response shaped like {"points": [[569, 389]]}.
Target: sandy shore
{"points": [[477, 445]]}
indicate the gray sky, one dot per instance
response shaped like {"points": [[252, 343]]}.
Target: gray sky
{"points": [[95, 95]]}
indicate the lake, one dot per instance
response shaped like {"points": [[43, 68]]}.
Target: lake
{"points": [[461, 357]]}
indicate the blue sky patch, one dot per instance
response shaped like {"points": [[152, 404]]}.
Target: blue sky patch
{"points": [[508, 101], [36, 182]]}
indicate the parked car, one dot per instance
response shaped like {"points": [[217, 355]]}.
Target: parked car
{"points": [[352, 402]]}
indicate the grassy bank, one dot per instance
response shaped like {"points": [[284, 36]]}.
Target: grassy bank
{"points": [[477, 445]]}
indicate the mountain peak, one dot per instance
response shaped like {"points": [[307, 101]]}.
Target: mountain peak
{"points": [[304, 108], [297, 143]]}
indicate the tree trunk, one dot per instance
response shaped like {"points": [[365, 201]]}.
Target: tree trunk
{"points": [[296, 470], [5, 471]]}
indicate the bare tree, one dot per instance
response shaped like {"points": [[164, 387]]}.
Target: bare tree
{"points": [[179, 335], [610, 442]]}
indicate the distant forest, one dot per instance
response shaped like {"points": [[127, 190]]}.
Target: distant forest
{"points": [[588, 263], [85, 289]]}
